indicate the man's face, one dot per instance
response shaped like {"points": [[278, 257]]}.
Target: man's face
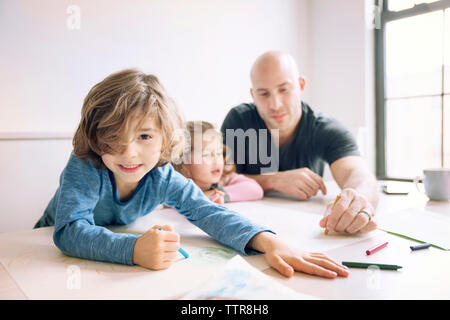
{"points": [[277, 95]]}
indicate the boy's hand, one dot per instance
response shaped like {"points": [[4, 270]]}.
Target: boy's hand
{"points": [[287, 260], [156, 249]]}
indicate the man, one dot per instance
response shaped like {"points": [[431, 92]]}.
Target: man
{"points": [[299, 142]]}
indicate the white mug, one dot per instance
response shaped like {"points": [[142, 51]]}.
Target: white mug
{"points": [[436, 183]]}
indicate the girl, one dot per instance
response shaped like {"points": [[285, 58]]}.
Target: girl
{"points": [[206, 166], [119, 171]]}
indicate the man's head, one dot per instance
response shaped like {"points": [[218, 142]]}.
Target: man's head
{"points": [[276, 90]]}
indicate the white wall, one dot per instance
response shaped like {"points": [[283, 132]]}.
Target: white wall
{"points": [[341, 51], [201, 50], [29, 177]]}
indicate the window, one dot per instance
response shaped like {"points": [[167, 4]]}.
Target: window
{"points": [[413, 87]]}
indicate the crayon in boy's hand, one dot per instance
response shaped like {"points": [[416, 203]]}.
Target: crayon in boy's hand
{"points": [[180, 250]]}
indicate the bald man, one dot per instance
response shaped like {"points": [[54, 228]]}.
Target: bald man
{"points": [[284, 145]]}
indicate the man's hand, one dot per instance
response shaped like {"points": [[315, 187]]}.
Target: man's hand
{"points": [[156, 249], [286, 260], [352, 213], [301, 183]]}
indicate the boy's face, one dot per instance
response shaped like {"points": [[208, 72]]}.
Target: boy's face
{"points": [[141, 154], [207, 163]]}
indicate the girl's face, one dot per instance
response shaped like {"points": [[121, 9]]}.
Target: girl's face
{"points": [[207, 163], [140, 155]]}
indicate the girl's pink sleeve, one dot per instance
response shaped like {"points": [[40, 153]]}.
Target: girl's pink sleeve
{"points": [[242, 188]]}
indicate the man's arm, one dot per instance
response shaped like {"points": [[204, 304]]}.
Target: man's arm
{"points": [[351, 172]]}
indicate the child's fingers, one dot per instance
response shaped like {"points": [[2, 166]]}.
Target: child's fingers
{"points": [[167, 228], [169, 256], [162, 227], [329, 265], [281, 266], [219, 200], [168, 234], [172, 246], [162, 265], [171, 236], [302, 265]]}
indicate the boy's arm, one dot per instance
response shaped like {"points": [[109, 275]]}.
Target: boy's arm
{"points": [[75, 231], [224, 225], [80, 238]]}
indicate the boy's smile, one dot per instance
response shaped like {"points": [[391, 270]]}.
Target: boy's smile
{"points": [[130, 168]]}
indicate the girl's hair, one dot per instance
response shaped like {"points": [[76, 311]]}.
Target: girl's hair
{"points": [[192, 128], [113, 103]]}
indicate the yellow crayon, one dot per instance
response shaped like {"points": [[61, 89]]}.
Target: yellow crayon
{"points": [[335, 201]]}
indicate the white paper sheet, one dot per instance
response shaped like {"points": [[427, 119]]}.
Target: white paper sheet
{"points": [[419, 224], [43, 272], [239, 280], [299, 228]]}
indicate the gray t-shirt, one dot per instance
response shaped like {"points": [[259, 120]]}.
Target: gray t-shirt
{"points": [[318, 139]]}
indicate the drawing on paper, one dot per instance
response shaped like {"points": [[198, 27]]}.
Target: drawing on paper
{"points": [[215, 254], [239, 280]]}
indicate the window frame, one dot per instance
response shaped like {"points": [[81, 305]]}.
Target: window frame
{"points": [[380, 71]]}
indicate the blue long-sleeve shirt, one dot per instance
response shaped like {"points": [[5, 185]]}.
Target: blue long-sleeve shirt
{"points": [[87, 199]]}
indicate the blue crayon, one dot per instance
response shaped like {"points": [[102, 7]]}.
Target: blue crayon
{"points": [[420, 247], [183, 252], [180, 250]]}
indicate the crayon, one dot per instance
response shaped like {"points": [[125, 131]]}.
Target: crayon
{"points": [[335, 201], [367, 265], [420, 246], [376, 248]]}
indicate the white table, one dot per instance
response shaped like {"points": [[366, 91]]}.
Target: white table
{"points": [[31, 267]]}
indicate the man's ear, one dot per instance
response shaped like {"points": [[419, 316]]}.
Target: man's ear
{"points": [[251, 93], [302, 83]]}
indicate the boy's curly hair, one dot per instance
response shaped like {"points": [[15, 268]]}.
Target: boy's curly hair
{"points": [[113, 103]]}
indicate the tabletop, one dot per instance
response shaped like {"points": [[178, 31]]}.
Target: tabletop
{"points": [[31, 267]]}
